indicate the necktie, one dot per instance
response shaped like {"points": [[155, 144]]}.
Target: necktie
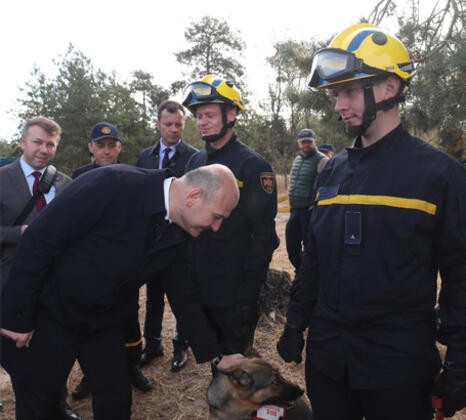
{"points": [[41, 203], [166, 158]]}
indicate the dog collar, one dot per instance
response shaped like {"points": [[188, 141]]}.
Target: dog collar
{"points": [[270, 412]]}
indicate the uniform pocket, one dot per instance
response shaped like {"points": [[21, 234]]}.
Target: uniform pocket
{"points": [[327, 191]]}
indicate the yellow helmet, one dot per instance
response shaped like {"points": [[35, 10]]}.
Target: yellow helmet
{"points": [[359, 52], [212, 89]]}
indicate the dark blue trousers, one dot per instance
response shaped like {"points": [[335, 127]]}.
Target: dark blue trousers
{"points": [[39, 372], [155, 305], [334, 400]]}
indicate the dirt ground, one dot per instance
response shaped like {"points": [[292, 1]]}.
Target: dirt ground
{"points": [[181, 396]]}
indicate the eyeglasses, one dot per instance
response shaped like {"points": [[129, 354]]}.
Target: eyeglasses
{"points": [[334, 64]]}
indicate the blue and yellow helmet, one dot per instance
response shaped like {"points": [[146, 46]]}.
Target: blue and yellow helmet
{"points": [[360, 51], [212, 89]]}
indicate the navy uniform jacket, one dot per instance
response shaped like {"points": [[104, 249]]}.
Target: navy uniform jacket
{"points": [[150, 157], [388, 218], [231, 264], [83, 169], [94, 246]]}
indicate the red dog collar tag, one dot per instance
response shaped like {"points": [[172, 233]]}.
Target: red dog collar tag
{"points": [[270, 412]]}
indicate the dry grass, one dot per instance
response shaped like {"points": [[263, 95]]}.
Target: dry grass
{"points": [[181, 396]]}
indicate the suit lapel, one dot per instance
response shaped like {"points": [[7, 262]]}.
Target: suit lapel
{"points": [[18, 180], [165, 235]]}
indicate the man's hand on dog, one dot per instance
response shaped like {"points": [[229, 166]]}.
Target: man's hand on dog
{"points": [[290, 345], [230, 361]]}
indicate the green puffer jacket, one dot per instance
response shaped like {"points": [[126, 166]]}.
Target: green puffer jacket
{"points": [[302, 179]]}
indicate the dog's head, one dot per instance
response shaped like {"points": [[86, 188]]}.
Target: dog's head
{"points": [[237, 392]]}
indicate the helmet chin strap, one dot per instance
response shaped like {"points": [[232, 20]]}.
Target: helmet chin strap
{"points": [[225, 128], [371, 108], [369, 114]]}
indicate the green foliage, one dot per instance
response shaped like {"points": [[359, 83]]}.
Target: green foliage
{"points": [[292, 106], [438, 45], [438, 91], [9, 149], [150, 95], [80, 96], [215, 49]]}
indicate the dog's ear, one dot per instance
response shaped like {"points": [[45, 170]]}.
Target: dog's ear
{"points": [[251, 352]]}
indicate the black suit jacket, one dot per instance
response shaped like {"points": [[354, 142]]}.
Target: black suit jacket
{"points": [[92, 248], [149, 158]]}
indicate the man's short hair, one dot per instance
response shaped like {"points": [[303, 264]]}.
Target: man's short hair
{"points": [[206, 179], [171, 106], [49, 126]]}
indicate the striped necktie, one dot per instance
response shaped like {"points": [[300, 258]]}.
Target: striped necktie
{"points": [[166, 158]]}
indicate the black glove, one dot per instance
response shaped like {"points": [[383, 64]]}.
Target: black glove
{"points": [[451, 387], [290, 345]]}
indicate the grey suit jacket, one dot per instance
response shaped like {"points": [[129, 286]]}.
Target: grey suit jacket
{"points": [[14, 194]]}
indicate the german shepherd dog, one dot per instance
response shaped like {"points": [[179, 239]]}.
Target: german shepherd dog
{"points": [[238, 393]]}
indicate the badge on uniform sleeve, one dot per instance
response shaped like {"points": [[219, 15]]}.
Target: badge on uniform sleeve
{"points": [[267, 180]]}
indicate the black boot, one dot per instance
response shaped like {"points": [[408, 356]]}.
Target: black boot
{"points": [[137, 378], [152, 350], [180, 354]]}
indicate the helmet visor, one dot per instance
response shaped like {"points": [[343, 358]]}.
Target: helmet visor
{"points": [[333, 64], [200, 92]]}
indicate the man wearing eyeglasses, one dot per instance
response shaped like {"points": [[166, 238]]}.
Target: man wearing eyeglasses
{"points": [[230, 267], [390, 214]]}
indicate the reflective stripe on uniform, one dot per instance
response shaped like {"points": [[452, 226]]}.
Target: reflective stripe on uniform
{"points": [[382, 200], [134, 343]]}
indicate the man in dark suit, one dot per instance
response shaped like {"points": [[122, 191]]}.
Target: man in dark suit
{"points": [[172, 152], [39, 141], [87, 254]]}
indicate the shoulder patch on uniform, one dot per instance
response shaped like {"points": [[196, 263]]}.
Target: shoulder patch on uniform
{"points": [[267, 180]]}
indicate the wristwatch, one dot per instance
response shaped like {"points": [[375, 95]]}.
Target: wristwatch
{"points": [[217, 360]]}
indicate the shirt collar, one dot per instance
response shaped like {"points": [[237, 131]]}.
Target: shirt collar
{"points": [[166, 189], [172, 147], [28, 169]]}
